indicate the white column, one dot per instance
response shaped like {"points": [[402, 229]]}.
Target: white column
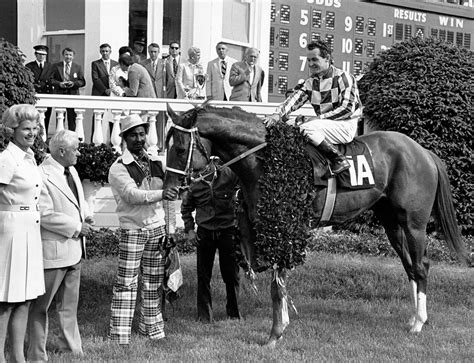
{"points": [[41, 111], [59, 119], [80, 123], [115, 139], [98, 137], [152, 136]]}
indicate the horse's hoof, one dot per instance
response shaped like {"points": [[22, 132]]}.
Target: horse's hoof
{"points": [[271, 344], [412, 321], [417, 326]]}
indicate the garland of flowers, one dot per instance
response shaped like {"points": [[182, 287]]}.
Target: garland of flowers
{"points": [[284, 209]]}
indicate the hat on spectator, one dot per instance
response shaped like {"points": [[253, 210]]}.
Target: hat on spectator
{"points": [[41, 49], [140, 41], [130, 122]]}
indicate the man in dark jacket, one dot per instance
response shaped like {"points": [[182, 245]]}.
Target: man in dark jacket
{"points": [[41, 70], [212, 199]]}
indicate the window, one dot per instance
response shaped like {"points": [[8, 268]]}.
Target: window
{"points": [[272, 36], [315, 37], [56, 24], [137, 21], [467, 40], [459, 37], [442, 34], [271, 60], [330, 41], [237, 20], [450, 37], [434, 33], [171, 20], [270, 83], [273, 13], [357, 67]]}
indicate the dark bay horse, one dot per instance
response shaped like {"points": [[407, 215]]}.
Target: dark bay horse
{"points": [[410, 183]]}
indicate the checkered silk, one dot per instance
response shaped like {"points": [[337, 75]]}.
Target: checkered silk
{"points": [[223, 68]]}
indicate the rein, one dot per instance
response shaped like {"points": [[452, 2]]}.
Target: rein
{"points": [[194, 137]]}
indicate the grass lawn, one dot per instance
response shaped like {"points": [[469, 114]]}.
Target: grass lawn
{"points": [[350, 308]]}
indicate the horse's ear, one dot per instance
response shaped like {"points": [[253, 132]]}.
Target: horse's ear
{"points": [[171, 113]]}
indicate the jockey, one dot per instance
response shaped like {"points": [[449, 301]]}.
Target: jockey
{"points": [[334, 96]]}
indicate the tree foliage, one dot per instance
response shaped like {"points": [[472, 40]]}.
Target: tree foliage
{"points": [[423, 88]]}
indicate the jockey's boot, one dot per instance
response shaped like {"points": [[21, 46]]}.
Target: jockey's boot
{"points": [[338, 161]]}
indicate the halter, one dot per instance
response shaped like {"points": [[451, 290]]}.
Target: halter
{"points": [[187, 172]]}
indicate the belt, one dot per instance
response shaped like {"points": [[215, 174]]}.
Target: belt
{"points": [[19, 208]]}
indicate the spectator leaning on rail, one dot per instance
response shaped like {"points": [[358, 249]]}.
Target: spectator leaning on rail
{"points": [[334, 96], [136, 180]]}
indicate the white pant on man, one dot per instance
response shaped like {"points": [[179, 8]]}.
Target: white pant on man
{"points": [[334, 131]]}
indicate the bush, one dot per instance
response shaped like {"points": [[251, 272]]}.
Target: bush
{"points": [[95, 161], [17, 87], [422, 88]]}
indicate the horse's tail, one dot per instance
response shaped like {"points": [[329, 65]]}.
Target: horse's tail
{"points": [[444, 207]]}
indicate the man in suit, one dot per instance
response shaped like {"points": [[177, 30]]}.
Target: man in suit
{"points": [[100, 70], [67, 77], [171, 69], [41, 70], [218, 71], [139, 81], [154, 66], [246, 77], [64, 223]]}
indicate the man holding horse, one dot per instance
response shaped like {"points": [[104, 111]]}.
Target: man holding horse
{"points": [[334, 96]]}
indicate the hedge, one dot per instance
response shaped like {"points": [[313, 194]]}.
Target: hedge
{"points": [[423, 88]]}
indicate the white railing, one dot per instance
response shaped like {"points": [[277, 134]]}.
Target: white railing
{"points": [[147, 108]]}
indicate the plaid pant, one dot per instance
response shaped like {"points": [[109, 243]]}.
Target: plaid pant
{"points": [[139, 250]]}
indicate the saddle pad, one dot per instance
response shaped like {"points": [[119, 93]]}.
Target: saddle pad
{"points": [[359, 176]]}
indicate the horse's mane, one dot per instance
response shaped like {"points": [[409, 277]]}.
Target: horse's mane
{"points": [[234, 113]]}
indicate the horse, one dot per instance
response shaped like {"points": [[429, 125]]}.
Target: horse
{"points": [[411, 182]]}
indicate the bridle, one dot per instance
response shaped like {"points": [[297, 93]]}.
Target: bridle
{"points": [[196, 141]]}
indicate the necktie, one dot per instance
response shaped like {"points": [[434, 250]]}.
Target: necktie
{"points": [[154, 66], [175, 66], [107, 66], [223, 68], [68, 71], [70, 182], [41, 66]]}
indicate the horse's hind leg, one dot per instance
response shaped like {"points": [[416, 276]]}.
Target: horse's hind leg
{"points": [[396, 235], [416, 240]]}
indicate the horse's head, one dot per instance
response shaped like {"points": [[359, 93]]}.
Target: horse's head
{"points": [[187, 151]]}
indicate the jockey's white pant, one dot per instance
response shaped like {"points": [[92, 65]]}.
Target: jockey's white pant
{"points": [[336, 132]]}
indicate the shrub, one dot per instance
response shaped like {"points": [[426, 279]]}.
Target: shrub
{"points": [[422, 88], [17, 87], [95, 161]]}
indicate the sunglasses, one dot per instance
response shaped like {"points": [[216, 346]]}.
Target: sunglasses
{"points": [[174, 47]]}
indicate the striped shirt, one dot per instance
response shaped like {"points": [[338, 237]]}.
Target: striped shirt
{"points": [[334, 96]]}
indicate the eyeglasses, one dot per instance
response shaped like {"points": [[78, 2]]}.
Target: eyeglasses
{"points": [[174, 47]]}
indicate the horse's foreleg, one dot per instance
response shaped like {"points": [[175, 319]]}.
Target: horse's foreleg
{"points": [[280, 307], [413, 299], [421, 313]]}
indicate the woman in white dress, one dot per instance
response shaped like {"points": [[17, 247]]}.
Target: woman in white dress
{"points": [[21, 254]]}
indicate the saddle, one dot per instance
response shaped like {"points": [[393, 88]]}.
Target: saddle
{"points": [[360, 174]]}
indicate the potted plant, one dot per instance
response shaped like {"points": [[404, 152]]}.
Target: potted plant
{"points": [[93, 168]]}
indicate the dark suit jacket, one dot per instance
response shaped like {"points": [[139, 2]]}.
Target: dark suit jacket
{"points": [[140, 84], [170, 77], [156, 76], [100, 77], [76, 76], [42, 83], [239, 79]]}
